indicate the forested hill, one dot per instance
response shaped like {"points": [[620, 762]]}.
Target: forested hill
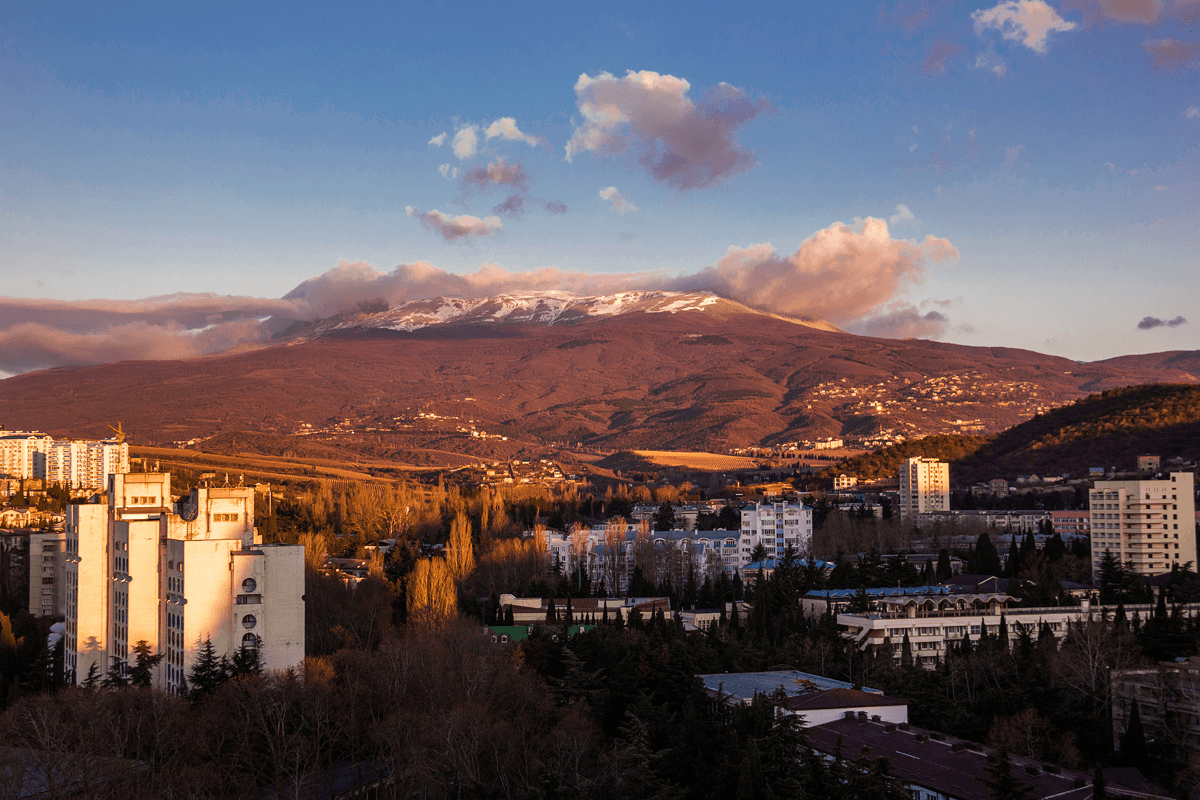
{"points": [[1102, 430], [885, 462]]}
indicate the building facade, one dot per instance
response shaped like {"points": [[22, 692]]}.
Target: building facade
{"points": [[72, 463], [141, 567], [776, 526], [1149, 524], [924, 487]]}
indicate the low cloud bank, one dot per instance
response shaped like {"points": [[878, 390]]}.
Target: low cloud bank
{"points": [[850, 275]]}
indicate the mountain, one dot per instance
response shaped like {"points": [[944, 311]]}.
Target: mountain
{"points": [[493, 377]]}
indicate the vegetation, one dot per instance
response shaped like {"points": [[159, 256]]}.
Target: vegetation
{"points": [[1107, 430], [885, 462]]}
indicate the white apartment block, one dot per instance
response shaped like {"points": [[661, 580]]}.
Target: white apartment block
{"points": [[46, 573], [611, 551], [23, 454], [1151, 524], [776, 526], [73, 463], [844, 481], [924, 487], [139, 566], [935, 624]]}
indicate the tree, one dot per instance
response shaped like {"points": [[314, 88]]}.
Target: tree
{"points": [[114, 677], [987, 560], [665, 520], [1001, 782], [1133, 740], [460, 552], [208, 672], [432, 597], [944, 571], [92, 680], [142, 674], [247, 660]]}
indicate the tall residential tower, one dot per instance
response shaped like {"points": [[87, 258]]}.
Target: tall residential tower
{"points": [[1150, 524], [924, 487], [139, 566]]}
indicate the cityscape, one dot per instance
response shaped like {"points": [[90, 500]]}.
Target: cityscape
{"points": [[632, 402]]}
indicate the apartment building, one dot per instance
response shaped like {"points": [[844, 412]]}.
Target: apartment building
{"points": [[776, 526], [141, 566], [72, 463], [924, 487], [1149, 524], [936, 622]]}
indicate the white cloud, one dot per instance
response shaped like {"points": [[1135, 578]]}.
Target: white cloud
{"points": [[1012, 154], [438, 140], [466, 142], [1028, 22], [448, 172], [912, 148], [620, 203], [991, 61], [648, 116], [1160, 188], [903, 216], [451, 228], [1192, 112], [506, 128]]}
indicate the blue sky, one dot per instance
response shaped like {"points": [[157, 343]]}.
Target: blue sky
{"points": [[149, 150]]}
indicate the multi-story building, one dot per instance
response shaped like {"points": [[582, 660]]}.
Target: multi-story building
{"points": [[924, 487], [844, 481], [141, 567], [23, 454], [46, 572], [73, 463], [776, 526], [1072, 524], [1149, 524], [611, 552], [937, 620], [1168, 698], [81, 464]]}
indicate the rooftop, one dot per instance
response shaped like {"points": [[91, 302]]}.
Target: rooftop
{"points": [[745, 685]]}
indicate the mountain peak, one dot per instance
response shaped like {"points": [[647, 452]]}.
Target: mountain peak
{"points": [[531, 308]]}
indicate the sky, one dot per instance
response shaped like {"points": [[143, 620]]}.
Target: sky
{"points": [[1021, 174]]}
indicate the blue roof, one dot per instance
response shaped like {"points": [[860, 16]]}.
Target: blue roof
{"points": [[905, 591], [745, 684], [769, 563]]}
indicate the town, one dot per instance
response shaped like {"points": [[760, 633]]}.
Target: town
{"points": [[881, 615]]}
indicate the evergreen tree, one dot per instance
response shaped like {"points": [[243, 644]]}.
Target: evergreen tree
{"points": [[568, 615], [508, 615], [1133, 740], [1001, 783], [115, 678], [551, 613], [92, 680], [944, 571], [142, 674], [987, 560], [247, 660], [208, 671]]}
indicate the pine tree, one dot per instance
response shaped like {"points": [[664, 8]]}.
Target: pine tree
{"points": [[247, 660], [1001, 782], [142, 674], [551, 613], [207, 673], [944, 570], [569, 615], [115, 678], [1133, 740], [92, 681]]}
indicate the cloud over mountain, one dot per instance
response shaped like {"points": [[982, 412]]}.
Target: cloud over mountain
{"points": [[1150, 323], [848, 274], [650, 118]]}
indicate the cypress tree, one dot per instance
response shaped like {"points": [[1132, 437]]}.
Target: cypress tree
{"points": [[1133, 740]]}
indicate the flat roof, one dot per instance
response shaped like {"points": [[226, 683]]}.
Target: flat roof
{"points": [[745, 685]]}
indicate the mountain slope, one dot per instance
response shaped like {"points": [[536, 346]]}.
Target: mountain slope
{"points": [[703, 375], [1104, 430]]}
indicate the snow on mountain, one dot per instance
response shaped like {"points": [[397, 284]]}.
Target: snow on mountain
{"points": [[546, 308]]}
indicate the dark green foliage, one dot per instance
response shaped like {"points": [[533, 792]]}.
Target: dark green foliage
{"points": [[208, 672], [1000, 781], [141, 675], [885, 462]]}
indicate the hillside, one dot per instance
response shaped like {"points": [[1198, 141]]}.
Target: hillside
{"points": [[1107, 430], [661, 373], [885, 462]]}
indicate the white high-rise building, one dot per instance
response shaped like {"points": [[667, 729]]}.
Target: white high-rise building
{"points": [[72, 463], [775, 526], [139, 566], [924, 487], [1150, 524], [23, 454]]}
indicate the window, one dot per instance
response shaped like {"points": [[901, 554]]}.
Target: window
{"points": [[250, 641], [249, 599], [249, 621], [249, 585]]}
